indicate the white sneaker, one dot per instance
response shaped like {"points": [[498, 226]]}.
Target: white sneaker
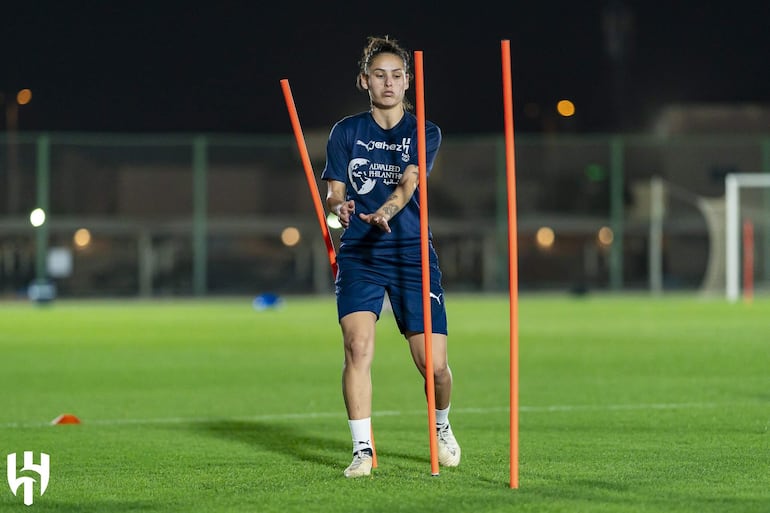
{"points": [[361, 464], [448, 449]]}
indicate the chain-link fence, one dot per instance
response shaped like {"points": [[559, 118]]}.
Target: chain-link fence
{"points": [[171, 214]]}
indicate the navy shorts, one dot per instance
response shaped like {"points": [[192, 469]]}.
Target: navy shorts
{"points": [[363, 279]]}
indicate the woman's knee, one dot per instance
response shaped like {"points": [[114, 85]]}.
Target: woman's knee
{"points": [[442, 371], [359, 348]]}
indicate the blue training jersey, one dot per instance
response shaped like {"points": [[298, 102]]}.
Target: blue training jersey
{"points": [[370, 161]]}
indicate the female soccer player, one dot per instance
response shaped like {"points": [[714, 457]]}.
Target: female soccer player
{"points": [[372, 178]]}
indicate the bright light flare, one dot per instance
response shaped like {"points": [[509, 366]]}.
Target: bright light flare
{"points": [[37, 217], [565, 108], [290, 236], [82, 238], [545, 237], [605, 236], [24, 96]]}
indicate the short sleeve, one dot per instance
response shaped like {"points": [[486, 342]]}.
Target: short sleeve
{"points": [[336, 156]]}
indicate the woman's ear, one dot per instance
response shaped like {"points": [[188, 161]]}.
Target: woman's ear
{"points": [[363, 82]]}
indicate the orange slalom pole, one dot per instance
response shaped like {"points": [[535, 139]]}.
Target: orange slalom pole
{"points": [[316, 194], [513, 271], [748, 261], [425, 260], [305, 156]]}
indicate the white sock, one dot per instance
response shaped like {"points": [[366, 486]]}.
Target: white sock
{"points": [[442, 417], [361, 431]]}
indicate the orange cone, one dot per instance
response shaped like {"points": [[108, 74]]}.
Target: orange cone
{"points": [[65, 418]]}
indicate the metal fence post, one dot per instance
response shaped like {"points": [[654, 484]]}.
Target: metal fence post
{"points": [[616, 213], [766, 201], [43, 174], [199, 228]]}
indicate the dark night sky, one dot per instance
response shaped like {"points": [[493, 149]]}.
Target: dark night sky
{"points": [[183, 67]]}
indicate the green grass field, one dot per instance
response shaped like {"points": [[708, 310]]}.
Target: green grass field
{"points": [[628, 404]]}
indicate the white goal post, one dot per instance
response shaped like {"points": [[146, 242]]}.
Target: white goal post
{"points": [[734, 182]]}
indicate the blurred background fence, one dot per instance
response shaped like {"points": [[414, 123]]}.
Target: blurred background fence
{"points": [[191, 215]]}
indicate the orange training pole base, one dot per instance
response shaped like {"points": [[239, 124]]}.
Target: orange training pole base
{"points": [[426, 306], [513, 272]]}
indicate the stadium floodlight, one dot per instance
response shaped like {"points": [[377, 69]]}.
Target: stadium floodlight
{"points": [[734, 182]]}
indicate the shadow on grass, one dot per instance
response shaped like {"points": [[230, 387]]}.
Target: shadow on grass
{"points": [[301, 444], [405, 457], [305, 445], [279, 438]]}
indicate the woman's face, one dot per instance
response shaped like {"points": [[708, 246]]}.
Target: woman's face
{"points": [[387, 81]]}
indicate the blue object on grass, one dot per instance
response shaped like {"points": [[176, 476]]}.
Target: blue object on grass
{"points": [[266, 301], [41, 291]]}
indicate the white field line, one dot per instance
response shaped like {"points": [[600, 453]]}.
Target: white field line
{"points": [[383, 413]]}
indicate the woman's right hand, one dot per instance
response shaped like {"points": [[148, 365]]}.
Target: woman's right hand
{"points": [[344, 210]]}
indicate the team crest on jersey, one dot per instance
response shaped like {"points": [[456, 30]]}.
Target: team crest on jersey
{"points": [[358, 175], [364, 173]]}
